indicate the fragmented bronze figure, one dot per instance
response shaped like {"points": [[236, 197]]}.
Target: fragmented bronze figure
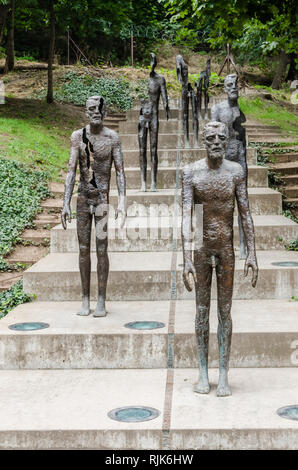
{"points": [[95, 148], [229, 112], [149, 121], [203, 85], [215, 182]]}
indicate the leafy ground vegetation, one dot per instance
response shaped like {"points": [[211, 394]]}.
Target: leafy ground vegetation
{"points": [[21, 190], [10, 298]]}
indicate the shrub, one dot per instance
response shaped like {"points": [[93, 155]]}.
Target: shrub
{"points": [[12, 297]]}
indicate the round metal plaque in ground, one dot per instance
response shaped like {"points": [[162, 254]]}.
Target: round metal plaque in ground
{"points": [[289, 412], [28, 326], [144, 325], [286, 264], [133, 414]]}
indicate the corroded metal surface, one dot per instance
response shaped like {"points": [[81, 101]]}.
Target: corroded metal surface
{"points": [[95, 148], [215, 182]]}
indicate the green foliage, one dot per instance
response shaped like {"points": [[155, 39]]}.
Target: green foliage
{"points": [[21, 190], [77, 89], [294, 298], [292, 245], [10, 298], [290, 215]]}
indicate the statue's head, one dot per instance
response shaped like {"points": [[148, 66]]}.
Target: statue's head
{"points": [[153, 62], [215, 137], [231, 86], [96, 109]]}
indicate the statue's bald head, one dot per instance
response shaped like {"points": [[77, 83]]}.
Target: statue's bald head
{"points": [[215, 126], [96, 109]]}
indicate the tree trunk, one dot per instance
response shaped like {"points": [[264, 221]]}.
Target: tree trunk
{"points": [[281, 70], [292, 73], [50, 97], [9, 63], [3, 14]]}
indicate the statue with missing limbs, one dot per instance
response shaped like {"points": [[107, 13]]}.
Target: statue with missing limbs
{"points": [[95, 148], [187, 93], [203, 83], [215, 183], [229, 112], [148, 120]]}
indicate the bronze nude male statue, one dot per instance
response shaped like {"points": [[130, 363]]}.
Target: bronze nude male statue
{"points": [[215, 182], [204, 80], [228, 111], [149, 115], [95, 148]]}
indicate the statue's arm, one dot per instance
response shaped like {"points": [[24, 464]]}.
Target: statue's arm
{"points": [[70, 178], [120, 178], [186, 226], [214, 113], [248, 226], [164, 96]]}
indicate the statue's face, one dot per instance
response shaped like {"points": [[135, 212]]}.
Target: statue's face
{"points": [[153, 61], [231, 87], [95, 111], [215, 140]]}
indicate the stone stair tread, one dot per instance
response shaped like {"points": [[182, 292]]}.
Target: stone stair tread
{"points": [[197, 421], [278, 166], [27, 254], [35, 234], [52, 202], [148, 261]]}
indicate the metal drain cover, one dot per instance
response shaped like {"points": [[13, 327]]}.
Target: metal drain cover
{"points": [[286, 264], [289, 412], [133, 414], [144, 325], [29, 326]]}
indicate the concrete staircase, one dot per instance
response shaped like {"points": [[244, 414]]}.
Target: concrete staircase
{"points": [[59, 383]]}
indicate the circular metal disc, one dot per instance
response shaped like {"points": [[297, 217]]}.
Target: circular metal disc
{"points": [[28, 326], [133, 414], [289, 412], [286, 264], [144, 325]]}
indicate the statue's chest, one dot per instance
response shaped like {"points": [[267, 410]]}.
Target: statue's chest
{"points": [[217, 187], [102, 152]]}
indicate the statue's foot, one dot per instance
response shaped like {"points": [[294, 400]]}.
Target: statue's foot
{"points": [[187, 145], [202, 386], [84, 312], [143, 187], [99, 312], [153, 188], [223, 389], [242, 254]]}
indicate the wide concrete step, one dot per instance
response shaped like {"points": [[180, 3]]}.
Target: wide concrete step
{"points": [[291, 191], [65, 411], [262, 337], [263, 201], [156, 234], [165, 141], [168, 157], [133, 114], [262, 137], [166, 177], [149, 276]]}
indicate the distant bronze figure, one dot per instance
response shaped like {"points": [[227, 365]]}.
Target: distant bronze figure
{"points": [[149, 115], [229, 112], [95, 148], [203, 86], [195, 117], [215, 182]]}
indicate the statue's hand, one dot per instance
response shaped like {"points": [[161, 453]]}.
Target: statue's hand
{"points": [[65, 215], [189, 269], [121, 210], [251, 262]]}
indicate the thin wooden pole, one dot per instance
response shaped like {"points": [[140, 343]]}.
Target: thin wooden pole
{"points": [[68, 45], [131, 47]]}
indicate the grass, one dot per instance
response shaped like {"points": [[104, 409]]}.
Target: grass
{"points": [[270, 113], [35, 133]]}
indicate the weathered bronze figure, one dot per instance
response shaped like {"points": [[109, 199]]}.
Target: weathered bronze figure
{"points": [[95, 148], [149, 121], [203, 83], [215, 182], [229, 112], [182, 76], [195, 117]]}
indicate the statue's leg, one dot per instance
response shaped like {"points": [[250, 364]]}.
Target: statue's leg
{"points": [[101, 224], [225, 277], [203, 293], [199, 97], [84, 223], [195, 124], [185, 112], [242, 254], [153, 151], [142, 135], [206, 97]]}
